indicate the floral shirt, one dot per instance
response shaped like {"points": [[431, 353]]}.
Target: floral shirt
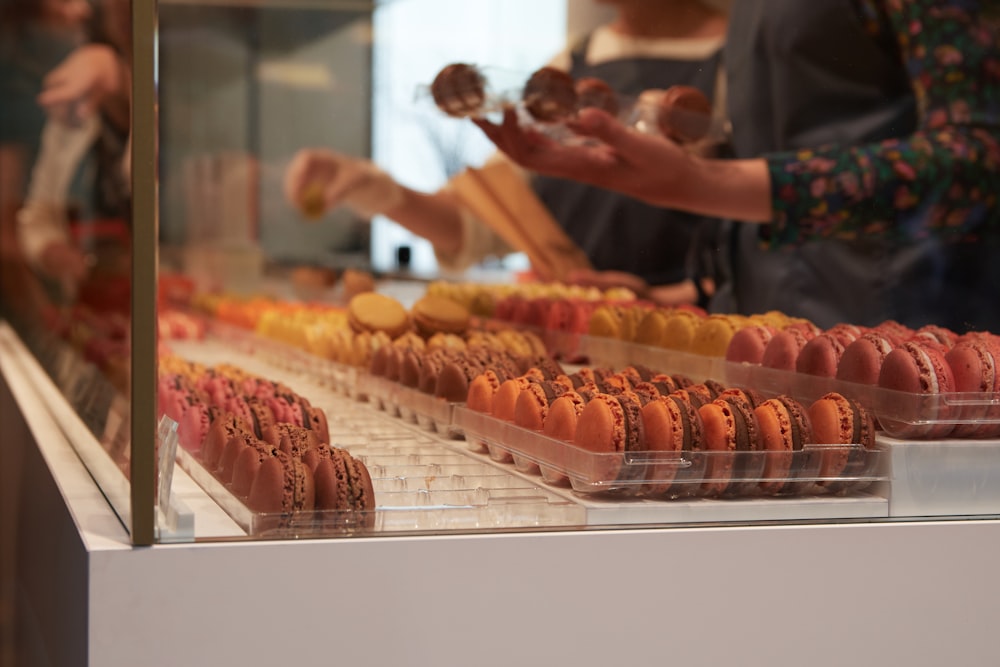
{"points": [[944, 179]]}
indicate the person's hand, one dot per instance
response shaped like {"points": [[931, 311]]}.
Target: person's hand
{"points": [[643, 166], [319, 179], [605, 280], [82, 82]]}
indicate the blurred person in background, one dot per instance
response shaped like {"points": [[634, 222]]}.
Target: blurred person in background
{"points": [[64, 76], [648, 45], [867, 134]]}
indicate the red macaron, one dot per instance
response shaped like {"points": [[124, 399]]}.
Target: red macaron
{"points": [[913, 371], [974, 365]]}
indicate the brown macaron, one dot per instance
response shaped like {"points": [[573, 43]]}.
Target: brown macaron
{"points": [[550, 95], [282, 484], [684, 114], [594, 92], [459, 90], [221, 430], [437, 314]]}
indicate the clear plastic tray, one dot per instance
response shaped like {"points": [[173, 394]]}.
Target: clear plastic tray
{"points": [[619, 354], [668, 475], [900, 414], [421, 482], [943, 477]]}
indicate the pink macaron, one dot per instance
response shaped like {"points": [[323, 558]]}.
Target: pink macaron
{"points": [[974, 365], [748, 344], [862, 360], [914, 370]]}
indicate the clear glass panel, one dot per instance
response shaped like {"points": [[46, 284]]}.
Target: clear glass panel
{"points": [[65, 219]]}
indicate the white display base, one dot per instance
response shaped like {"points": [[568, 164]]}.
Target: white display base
{"points": [[919, 594]]}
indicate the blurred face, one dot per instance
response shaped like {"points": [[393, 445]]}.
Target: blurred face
{"points": [[68, 14]]}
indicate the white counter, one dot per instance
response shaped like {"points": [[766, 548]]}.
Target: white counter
{"points": [[914, 593]]}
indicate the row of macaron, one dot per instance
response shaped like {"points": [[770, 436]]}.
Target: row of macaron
{"points": [[263, 441], [446, 371], [929, 361], [637, 410]]}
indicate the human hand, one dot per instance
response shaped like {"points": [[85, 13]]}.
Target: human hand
{"points": [[316, 180], [643, 166], [81, 83], [605, 280]]}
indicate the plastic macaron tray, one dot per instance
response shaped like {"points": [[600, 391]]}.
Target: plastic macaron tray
{"points": [[900, 414], [673, 475]]}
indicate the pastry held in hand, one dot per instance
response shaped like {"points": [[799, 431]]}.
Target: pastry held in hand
{"points": [[459, 90], [550, 95], [593, 92]]}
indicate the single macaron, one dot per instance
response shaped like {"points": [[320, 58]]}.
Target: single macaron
{"points": [[652, 329], [713, 335], [230, 454], [221, 430], [684, 114], [560, 424], [680, 329], [296, 440], [594, 92], [862, 360], [371, 311], [673, 430], [282, 484], [748, 344], [505, 399], [455, 377], [459, 90], [912, 371], [838, 420], [343, 483], [974, 366], [482, 389], [550, 95], [532, 406], [563, 415], [611, 425], [782, 351], [820, 356], [784, 428], [730, 430], [437, 314], [247, 464]]}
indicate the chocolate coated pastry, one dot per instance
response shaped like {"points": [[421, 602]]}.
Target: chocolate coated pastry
{"points": [[459, 90], [593, 92], [684, 114], [550, 95]]}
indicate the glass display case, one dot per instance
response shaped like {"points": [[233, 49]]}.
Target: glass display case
{"points": [[195, 318], [222, 412]]}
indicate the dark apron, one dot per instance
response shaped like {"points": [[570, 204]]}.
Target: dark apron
{"points": [[806, 74], [618, 232]]}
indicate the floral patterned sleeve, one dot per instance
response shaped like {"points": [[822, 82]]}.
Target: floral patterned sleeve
{"points": [[945, 178]]}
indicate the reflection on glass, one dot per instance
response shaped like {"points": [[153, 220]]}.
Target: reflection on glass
{"points": [[64, 207]]}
